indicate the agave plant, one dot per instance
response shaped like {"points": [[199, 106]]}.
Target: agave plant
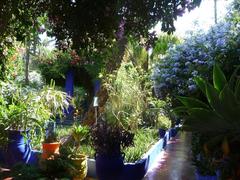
{"points": [[220, 114], [79, 134], [218, 119]]}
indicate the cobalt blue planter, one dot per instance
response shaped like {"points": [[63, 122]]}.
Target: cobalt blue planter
{"points": [[209, 177], [136, 170], [97, 86], [161, 132], [18, 149], [173, 132], [1, 156], [69, 88], [109, 167]]}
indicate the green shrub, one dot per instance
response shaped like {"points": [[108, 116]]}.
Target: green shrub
{"points": [[126, 98], [163, 122], [143, 140]]}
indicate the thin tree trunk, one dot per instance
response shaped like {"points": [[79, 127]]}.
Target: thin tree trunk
{"points": [[35, 42], [27, 62], [215, 11]]}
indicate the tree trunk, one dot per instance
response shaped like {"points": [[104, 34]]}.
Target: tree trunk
{"points": [[102, 94], [27, 62]]}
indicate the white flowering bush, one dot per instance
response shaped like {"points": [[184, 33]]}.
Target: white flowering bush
{"points": [[174, 74], [35, 79]]}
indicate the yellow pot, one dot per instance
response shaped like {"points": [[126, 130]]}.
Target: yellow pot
{"points": [[79, 170]]}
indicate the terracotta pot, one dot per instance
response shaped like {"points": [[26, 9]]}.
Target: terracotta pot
{"points": [[49, 149], [79, 172]]}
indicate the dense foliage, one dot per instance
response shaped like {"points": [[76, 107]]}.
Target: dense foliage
{"points": [[174, 74], [26, 108], [55, 64], [96, 23], [21, 20]]}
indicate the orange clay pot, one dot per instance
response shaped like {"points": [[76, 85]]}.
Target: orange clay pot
{"points": [[49, 149]]}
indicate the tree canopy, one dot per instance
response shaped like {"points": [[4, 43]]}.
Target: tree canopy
{"points": [[91, 23]]}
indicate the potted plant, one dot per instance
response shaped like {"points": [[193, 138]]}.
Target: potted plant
{"points": [[24, 110], [79, 134], [50, 145], [71, 152], [108, 141], [216, 118], [163, 123], [79, 160]]}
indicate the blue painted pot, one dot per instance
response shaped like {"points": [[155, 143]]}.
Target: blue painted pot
{"points": [[1, 156], [136, 170], [109, 167], [201, 177], [173, 132], [97, 86], [161, 132], [69, 88], [18, 149]]}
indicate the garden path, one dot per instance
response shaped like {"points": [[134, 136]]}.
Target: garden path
{"points": [[174, 163]]}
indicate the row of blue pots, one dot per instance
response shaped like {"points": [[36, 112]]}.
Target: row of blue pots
{"points": [[112, 167]]}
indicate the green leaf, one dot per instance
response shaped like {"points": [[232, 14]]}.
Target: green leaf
{"points": [[201, 84], [219, 79], [233, 78], [230, 104], [237, 90], [213, 98], [180, 109], [203, 120], [192, 102], [228, 98]]}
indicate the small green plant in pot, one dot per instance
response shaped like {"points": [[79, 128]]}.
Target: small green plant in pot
{"points": [[78, 160], [55, 101], [163, 123], [218, 117], [71, 152], [79, 134], [51, 145]]}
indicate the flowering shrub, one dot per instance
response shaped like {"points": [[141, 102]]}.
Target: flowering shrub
{"points": [[11, 60], [35, 80], [55, 64], [174, 74]]}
